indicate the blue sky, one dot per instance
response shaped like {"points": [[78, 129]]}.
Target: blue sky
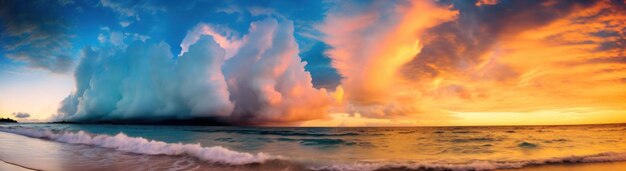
{"points": [[288, 62], [80, 23], [70, 26], [43, 40]]}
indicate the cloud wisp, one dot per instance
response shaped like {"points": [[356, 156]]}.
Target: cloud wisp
{"points": [[21, 115], [371, 43], [36, 35]]}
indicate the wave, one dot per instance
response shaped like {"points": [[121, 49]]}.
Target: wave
{"points": [[525, 144], [138, 145], [466, 132], [319, 142], [221, 155], [476, 165], [481, 139]]}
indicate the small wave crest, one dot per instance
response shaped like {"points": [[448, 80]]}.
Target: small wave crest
{"points": [[321, 142], [138, 145], [479, 139], [525, 144], [275, 132]]}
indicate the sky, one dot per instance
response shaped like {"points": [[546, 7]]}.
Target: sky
{"points": [[315, 63]]}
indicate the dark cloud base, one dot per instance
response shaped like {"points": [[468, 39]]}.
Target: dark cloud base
{"points": [[205, 121]]}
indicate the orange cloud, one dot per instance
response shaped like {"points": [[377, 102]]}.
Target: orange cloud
{"points": [[486, 2], [370, 47], [551, 60]]}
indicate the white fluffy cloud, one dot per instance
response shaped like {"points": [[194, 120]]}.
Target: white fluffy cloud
{"points": [[267, 80], [263, 81]]}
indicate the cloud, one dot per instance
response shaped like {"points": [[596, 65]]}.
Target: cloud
{"points": [[486, 2], [108, 37], [224, 38], [127, 10], [267, 80], [209, 94], [263, 82], [459, 45], [35, 34], [144, 82], [125, 23], [421, 61], [464, 56], [370, 43], [21, 115]]}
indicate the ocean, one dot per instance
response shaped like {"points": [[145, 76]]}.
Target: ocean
{"points": [[151, 147]]}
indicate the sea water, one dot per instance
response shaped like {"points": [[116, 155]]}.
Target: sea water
{"points": [[152, 147]]}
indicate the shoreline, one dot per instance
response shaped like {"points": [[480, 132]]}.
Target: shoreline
{"points": [[607, 160], [616, 165], [5, 165], [213, 123], [9, 165]]}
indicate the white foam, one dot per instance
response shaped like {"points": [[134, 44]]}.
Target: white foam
{"points": [[138, 145]]}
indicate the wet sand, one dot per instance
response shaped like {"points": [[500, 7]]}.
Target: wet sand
{"points": [[19, 153], [608, 166], [557, 167], [10, 166]]}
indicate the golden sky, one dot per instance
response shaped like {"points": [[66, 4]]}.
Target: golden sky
{"points": [[548, 63]]}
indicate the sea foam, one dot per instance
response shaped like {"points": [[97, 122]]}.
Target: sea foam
{"points": [[138, 145]]}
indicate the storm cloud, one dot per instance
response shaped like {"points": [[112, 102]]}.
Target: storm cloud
{"points": [[263, 82]]}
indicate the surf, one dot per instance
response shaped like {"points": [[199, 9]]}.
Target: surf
{"points": [[139, 145]]}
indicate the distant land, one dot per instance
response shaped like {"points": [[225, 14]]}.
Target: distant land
{"points": [[7, 120]]}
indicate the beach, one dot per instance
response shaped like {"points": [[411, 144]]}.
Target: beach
{"points": [[10, 166], [132, 147], [575, 167]]}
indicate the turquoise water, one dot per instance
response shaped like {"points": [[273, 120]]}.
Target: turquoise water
{"points": [[270, 148]]}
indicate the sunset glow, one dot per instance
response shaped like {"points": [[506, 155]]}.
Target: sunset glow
{"points": [[313, 85], [380, 63]]}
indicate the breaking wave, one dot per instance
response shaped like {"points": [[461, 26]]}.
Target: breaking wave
{"points": [[138, 145]]}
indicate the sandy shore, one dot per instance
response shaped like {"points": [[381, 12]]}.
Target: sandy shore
{"points": [[575, 167], [558, 167], [11, 166]]}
